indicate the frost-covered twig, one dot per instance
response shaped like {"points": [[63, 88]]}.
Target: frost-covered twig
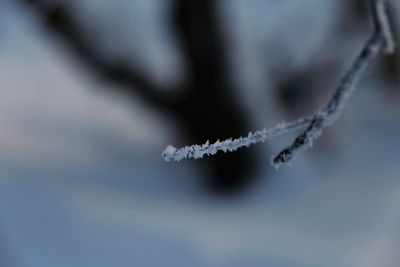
{"points": [[229, 145], [381, 39], [382, 26]]}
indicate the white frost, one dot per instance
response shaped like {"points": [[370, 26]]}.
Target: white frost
{"points": [[170, 153]]}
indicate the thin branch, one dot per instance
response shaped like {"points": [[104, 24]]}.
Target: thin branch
{"points": [[199, 151], [62, 21], [380, 19], [381, 39]]}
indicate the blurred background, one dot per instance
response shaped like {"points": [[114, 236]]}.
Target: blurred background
{"points": [[92, 91]]}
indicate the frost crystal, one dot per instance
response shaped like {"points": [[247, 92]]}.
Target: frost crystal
{"points": [[199, 151]]}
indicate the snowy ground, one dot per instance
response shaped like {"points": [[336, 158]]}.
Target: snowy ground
{"points": [[82, 182]]}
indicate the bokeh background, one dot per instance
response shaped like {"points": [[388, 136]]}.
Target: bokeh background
{"points": [[92, 91]]}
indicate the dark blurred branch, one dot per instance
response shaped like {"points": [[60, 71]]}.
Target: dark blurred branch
{"points": [[62, 21], [207, 105], [203, 44]]}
